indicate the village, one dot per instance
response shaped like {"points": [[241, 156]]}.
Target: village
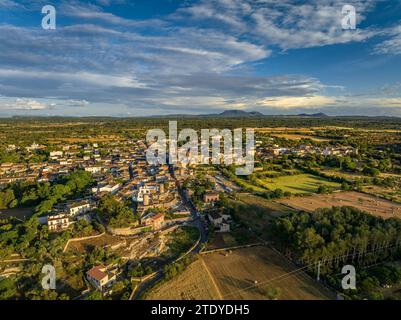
{"points": [[123, 224]]}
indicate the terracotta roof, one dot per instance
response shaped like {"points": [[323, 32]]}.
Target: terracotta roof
{"points": [[97, 273]]}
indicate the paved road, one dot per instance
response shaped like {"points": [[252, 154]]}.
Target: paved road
{"points": [[198, 223]]}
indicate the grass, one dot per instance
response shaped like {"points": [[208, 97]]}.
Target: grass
{"points": [[247, 185], [256, 213], [300, 183], [274, 209]]}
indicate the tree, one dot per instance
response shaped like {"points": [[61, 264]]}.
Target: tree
{"points": [[94, 295], [8, 289], [273, 293]]}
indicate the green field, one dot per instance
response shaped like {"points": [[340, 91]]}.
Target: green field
{"points": [[300, 183]]}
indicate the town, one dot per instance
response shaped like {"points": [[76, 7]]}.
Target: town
{"points": [[115, 226]]}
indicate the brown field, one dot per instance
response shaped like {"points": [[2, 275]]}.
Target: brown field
{"points": [[103, 138], [272, 208], [371, 204], [300, 136], [193, 283], [286, 130], [89, 244], [232, 276]]}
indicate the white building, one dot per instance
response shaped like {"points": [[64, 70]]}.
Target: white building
{"points": [[100, 277], [56, 154], [78, 208], [93, 169], [58, 222], [109, 188], [147, 189]]}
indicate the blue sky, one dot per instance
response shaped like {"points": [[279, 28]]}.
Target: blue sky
{"points": [[137, 58]]}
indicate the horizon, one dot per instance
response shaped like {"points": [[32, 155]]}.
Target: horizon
{"points": [[122, 59]]}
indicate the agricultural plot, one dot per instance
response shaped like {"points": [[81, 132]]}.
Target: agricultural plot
{"points": [[240, 275], [247, 273], [193, 283], [300, 183], [365, 202], [388, 193], [290, 136], [130, 248], [256, 214], [274, 209]]}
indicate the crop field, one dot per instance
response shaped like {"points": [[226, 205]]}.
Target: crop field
{"points": [[247, 273], [300, 183], [193, 283], [371, 204], [242, 274]]}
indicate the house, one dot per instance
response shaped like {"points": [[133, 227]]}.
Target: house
{"points": [[210, 197], [100, 277], [55, 154], [154, 220], [221, 222], [93, 169], [138, 195], [58, 222], [107, 187], [78, 208]]}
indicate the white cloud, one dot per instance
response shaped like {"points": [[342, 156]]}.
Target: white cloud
{"points": [[298, 102], [23, 104], [287, 24], [392, 45]]}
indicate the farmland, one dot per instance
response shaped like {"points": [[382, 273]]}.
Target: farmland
{"points": [[389, 193], [233, 275], [272, 208], [300, 183], [194, 283], [373, 205]]}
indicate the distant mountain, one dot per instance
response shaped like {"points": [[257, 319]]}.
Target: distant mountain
{"points": [[224, 114], [240, 113], [320, 114]]}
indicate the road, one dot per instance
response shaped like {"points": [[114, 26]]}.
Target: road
{"points": [[196, 222]]}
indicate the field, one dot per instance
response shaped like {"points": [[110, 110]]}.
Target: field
{"points": [[193, 283], [351, 176], [373, 205], [393, 194], [256, 213], [299, 137], [300, 183], [19, 213], [272, 208], [232, 276]]}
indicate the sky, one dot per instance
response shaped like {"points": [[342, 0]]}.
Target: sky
{"points": [[138, 58]]}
